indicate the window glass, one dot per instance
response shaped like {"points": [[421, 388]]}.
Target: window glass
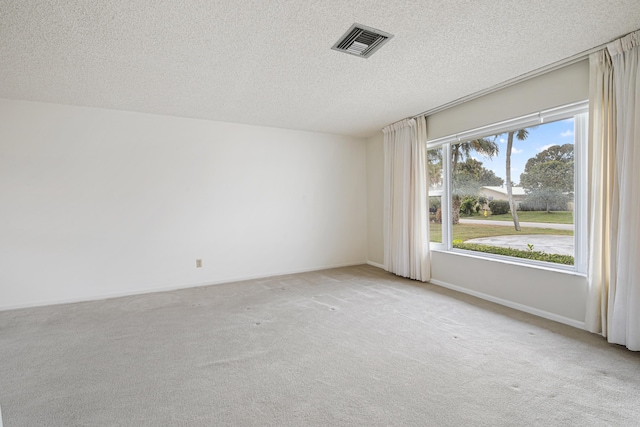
{"points": [[435, 219], [533, 218], [435, 194]]}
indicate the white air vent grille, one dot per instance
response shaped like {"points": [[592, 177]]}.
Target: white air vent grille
{"points": [[361, 41]]}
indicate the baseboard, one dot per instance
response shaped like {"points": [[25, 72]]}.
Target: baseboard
{"points": [[507, 303], [143, 291], [517, 306]]}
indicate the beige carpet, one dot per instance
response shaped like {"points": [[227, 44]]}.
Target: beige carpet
{"points": [[349, 346]]}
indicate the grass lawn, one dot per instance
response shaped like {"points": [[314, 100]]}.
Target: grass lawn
{"points": [[558, 217], [465, 232]]}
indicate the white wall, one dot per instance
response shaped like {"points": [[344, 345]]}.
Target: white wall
{"points": [[375, 199], [563, 86], [98, 202], [556, 295]]}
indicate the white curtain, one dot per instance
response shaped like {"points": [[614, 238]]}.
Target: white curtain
{"points": [[614, 155], [406, 219]]}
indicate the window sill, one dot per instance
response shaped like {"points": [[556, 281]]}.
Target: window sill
{"points": [[538, 265]]}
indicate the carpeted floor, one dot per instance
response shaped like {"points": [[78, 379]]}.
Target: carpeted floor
{"points": [[348, 346]]}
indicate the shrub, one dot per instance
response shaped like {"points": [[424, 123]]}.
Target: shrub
{"points": [[469, 205], [529, 254], [499, 207], [528, 206], [434, 204]]}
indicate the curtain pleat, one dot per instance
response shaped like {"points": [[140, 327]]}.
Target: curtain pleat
{"points": [[625, 316], [613, 306], [601, 169], [406, 232]]}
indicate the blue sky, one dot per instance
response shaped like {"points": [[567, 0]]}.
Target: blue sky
{"points": [[540, 138]]}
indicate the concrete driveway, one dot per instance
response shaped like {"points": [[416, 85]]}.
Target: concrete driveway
{"points": [[563, 245], [522, 224]]}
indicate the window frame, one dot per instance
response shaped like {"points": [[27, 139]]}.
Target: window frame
{"points": [[579, 111]]}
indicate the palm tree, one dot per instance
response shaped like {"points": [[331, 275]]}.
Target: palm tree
{"points": [[434, 158], [486, 147], [462, 151], [521, 135]]}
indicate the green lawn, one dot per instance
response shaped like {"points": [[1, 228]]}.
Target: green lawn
{"points": [[465, 232], [558, 217]]}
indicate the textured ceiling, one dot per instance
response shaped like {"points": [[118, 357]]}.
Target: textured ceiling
{"points": [[270, 62]]}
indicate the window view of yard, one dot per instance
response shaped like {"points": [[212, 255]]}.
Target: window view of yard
{"points": [[510, 194]]}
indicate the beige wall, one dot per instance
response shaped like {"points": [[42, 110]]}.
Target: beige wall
{"points": [[563, 86], [99, 203], [557, 295], [375, 176]]}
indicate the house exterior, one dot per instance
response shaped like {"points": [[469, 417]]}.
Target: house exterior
{"points": [[500, 193]]}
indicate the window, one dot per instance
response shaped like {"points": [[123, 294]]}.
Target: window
{"points": [[539, 218], [435, 194]]}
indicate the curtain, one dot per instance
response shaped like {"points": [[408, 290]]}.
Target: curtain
{"points": [[406, 219], [613, 306]]}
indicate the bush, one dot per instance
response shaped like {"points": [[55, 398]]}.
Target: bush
{"points": [[528, 206], [469, 206], [545, 199], [538, 256], [434, 204], [499, 207]]}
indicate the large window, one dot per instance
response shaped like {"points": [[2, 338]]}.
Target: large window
{"points": [[515, 189]]}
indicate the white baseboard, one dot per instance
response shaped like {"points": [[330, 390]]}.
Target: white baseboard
{"points": [[143, 291], [507, 303], [521, 307], [375, 264]]}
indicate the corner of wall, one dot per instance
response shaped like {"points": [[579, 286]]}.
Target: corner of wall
{"points": [[375, 178]]}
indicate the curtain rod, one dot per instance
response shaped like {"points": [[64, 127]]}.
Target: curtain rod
{"points": [[535, 73]]}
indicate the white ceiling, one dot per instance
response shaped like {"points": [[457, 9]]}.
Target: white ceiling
{"points": [[269, 62]]}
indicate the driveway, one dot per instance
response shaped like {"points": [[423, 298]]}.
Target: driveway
{"points": [[563, 245], [522, 224]]}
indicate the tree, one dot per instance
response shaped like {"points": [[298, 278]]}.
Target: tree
{"points": [[547, 199], [462, 184], [561, 153], [489, 178], [474, 169], [469, 178], [548, 177], [521, 135], [434, 161], [484, 146]]}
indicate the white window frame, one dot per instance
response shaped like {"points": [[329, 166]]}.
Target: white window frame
{"points": [[579, 112]]}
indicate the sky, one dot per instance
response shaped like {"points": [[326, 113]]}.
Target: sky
{"points": [[540, 138]]}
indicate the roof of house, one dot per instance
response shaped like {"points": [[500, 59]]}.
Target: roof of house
{"points": [[516, 191]]}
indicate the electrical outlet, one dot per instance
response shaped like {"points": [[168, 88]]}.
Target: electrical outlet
{"points": [[198, 263]]}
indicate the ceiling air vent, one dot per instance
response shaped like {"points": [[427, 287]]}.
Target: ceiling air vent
{"points": [[361, 41]]}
